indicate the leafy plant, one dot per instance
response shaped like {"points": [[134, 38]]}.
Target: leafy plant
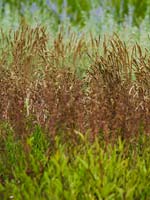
{"points": [[87, 171]]}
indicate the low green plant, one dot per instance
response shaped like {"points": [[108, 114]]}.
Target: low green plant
{"points": [[87, 170]]}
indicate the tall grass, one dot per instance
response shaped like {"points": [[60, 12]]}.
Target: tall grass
{"points": [[93, 16], [42, 82]]}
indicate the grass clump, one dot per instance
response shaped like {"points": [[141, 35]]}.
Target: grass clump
{"points": [[41, 83]]}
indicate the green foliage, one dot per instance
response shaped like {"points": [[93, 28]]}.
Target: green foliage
{"points": [[121, 8], [78, 12], [85, 171]]}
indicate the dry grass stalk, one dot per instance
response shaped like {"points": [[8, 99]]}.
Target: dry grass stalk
{"points": [[39, 85]]}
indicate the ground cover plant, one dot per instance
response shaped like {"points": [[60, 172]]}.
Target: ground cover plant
{"points": [[82, 171]]}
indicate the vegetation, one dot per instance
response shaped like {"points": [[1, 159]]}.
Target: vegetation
{"points": [[67, 171], [41, 83], [75, 100], [76, 9]]}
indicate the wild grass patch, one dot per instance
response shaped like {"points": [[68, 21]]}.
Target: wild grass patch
{"points": [[41, 82], [74, 121]]}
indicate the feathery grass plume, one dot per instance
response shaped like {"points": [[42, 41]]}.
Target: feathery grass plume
{"points": [[119, 89], [40, 84]]}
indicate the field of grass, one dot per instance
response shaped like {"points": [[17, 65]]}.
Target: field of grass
{"points": [[74, 100]]}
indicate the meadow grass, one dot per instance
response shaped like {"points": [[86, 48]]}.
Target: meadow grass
{"points": [[71, 83], [68, 132], [75, 100]]}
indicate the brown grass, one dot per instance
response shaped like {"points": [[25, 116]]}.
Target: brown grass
{"points": [[39, 84]]}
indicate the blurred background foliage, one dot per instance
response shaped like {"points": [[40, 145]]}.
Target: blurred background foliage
{"points": [[76, 10], [128, 18]]}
